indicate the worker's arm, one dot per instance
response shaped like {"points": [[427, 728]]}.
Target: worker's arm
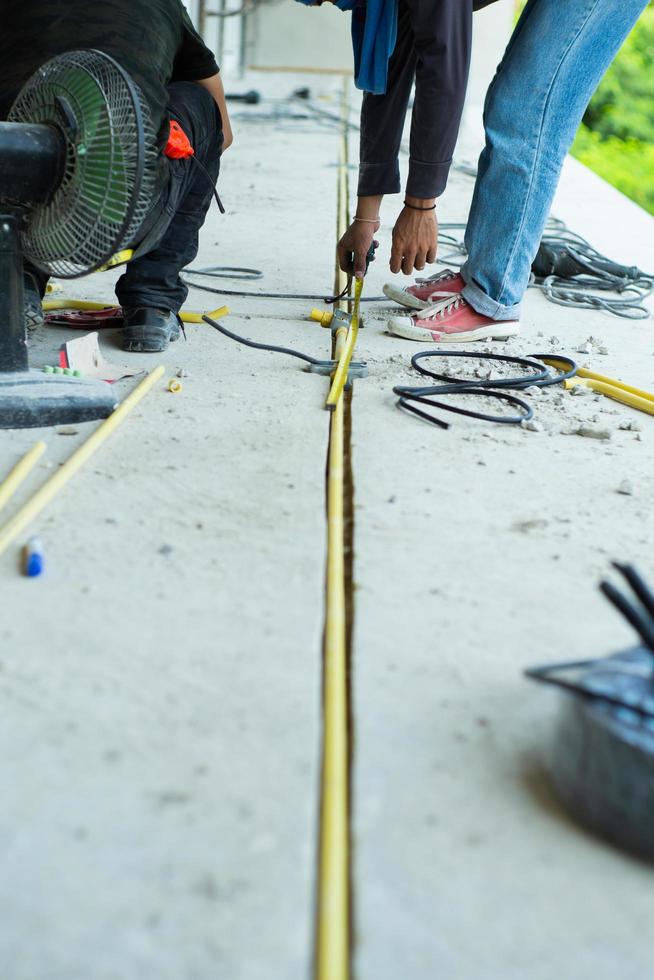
{"points": [[214, 86], [433, 46], [194, 62]]}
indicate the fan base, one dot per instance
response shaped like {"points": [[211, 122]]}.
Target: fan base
{"points": [[32, 399]]}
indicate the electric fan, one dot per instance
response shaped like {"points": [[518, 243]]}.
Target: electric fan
{"points": [[78, 168]]}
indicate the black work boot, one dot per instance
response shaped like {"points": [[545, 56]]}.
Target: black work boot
{"points": [[149, 330], [33, 306]]}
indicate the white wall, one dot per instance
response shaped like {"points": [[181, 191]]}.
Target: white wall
{"points": [[286, 34], [492, 29], [223, 36], [283, 33]]}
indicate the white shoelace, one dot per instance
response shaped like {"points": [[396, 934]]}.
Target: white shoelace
{"points": [[436, 298], [451, 302]]}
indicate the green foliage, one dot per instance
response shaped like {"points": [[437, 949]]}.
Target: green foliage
{"points": [[623, 105], [616, 139], [627, 164]]}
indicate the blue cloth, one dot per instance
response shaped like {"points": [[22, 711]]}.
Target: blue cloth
{"points": [[374, 33]]}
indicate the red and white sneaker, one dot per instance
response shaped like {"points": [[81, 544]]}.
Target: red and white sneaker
{"points": [[451, 321], [425, 292]]}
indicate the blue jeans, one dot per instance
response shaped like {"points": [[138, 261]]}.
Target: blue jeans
{"points": [[552, 65]]}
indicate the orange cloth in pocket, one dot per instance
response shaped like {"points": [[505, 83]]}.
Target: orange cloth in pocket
{"points": [[178, 146]]}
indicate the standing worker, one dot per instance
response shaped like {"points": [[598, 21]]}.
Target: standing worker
{"points": [[156, 43], [554, 61]]}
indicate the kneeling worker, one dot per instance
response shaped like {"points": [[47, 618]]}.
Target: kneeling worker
{"points": [[155, 42]]}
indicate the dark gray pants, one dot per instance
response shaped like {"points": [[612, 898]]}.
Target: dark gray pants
{"points": [[152, 280], [171, 242]]}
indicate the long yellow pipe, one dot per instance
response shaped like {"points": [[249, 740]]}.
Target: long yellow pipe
{"points": [[333, 919], [51, 487], [20, 472], [333, 914]]}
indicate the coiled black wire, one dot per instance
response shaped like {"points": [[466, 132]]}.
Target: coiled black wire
{"points": [[540, 377], [589, 278]]}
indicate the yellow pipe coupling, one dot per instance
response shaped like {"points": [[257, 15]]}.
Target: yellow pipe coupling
{"points": [[323, 317]]}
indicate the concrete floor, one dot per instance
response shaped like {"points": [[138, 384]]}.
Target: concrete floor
{"points": [[478, 554], [160, 685]]}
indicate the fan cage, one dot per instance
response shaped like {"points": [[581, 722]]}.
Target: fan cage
{"points": [[110, 173]]}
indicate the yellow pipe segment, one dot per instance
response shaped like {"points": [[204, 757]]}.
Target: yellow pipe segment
{"points": [[20, 472], [61, 477], [333, 907], [340, 375], [618, 392], [189, 317], [73, 304], [333, 915], [636, 398]]}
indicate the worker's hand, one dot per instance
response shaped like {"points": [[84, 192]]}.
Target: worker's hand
{"points": [[415, 240], [357, 239], [214, 85], [228, 135]]}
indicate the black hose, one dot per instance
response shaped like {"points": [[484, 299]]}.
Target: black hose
{"points": [[540, 377], [252, 343], [405, 401], [220, 272]]}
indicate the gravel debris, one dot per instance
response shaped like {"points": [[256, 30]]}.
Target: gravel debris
{"points": [[534, 524], [589, 432]]}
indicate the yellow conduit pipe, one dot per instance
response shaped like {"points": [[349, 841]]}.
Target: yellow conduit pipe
{"points": [[591, 375], [20, 472], [333, 914], [609, 387], [189, 317], [30, 510], [73, 304], [619, 393], [340, 375]]}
